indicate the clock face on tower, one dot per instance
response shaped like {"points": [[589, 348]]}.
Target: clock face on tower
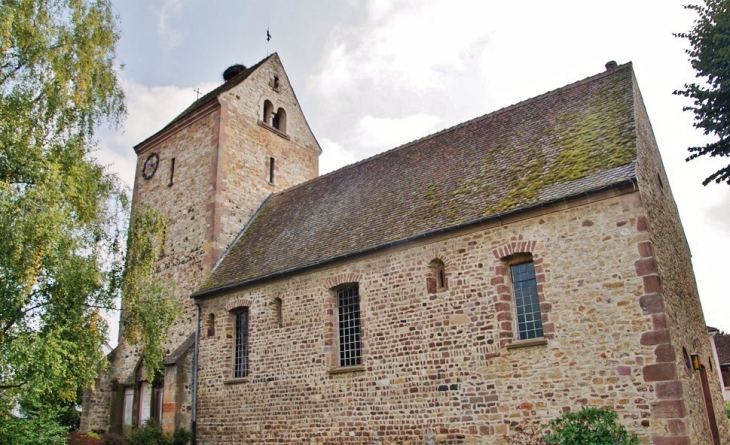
{"points": [[150, 166]]}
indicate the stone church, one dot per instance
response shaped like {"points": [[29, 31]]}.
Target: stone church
{"points": [[522, 264]]}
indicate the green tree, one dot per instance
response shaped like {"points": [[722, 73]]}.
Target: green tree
{"points": [[62, 214], [709, 53]]}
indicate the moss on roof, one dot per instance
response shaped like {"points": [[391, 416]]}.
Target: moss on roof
{"points": [[568, 141]]}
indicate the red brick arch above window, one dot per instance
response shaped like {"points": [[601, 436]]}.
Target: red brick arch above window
{"points": [[238, 303], [510, 253], [514, 247], [343, 278]]}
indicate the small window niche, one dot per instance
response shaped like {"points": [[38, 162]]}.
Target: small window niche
{"points": [[275, 83], [268, 113], [279, 120], [277, 312], [210, 325], [437, 281]]}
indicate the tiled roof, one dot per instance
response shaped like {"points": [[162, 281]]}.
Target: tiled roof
{"points": [[722, 344], [210, 97], [566, 142]]}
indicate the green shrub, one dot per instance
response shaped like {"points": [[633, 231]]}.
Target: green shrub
{"points": [[181, 437], [594, 426], [114, 439], [151, 434]]}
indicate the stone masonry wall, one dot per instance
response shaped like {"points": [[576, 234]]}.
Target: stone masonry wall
{"points": [[247, 144], [673, 302], [185, 205], [441, 366], [220, 180]]}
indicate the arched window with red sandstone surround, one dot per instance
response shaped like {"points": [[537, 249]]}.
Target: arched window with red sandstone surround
{"points": [[526, 300], [240, 316], [344, 342], [519, 281]]}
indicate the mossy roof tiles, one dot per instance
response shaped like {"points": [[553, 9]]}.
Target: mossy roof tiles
{"points": [[569, 141]]}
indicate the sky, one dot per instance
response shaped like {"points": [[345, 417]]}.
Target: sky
{"points": [[373, 74]]}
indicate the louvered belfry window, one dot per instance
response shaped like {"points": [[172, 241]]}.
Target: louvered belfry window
{"points": [[348, 305], [240, 364], [527, 304]]}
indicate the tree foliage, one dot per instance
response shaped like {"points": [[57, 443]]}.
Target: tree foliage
{"points": [[149, 304], [41, 429], [57, 214], [709, 54], [62, 214]]}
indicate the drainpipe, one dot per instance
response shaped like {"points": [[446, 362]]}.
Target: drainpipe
{"points": [[194, 421]]}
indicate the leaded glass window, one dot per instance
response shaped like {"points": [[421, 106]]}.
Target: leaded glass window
{"points": [[350, 347], [527, 304], [240, 364]]}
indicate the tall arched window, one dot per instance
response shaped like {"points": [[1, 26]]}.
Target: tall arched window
{"points": [[279, 120], [527, 300], [268, 112], [240, 349], [348, 321]]}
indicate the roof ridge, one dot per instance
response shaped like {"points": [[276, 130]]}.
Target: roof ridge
{"points": [[466, 123]]}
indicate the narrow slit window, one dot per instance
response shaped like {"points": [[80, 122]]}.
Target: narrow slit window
{"points": [[271, 170], [277, 312], [240, 365], [172, 172], [211, 325], [350, 346], [527, 303]]}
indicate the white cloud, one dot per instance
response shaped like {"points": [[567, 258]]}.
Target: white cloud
{"points": [[374, 134], [718, 213], [169, 36], [333, 156], [401, 47]]}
